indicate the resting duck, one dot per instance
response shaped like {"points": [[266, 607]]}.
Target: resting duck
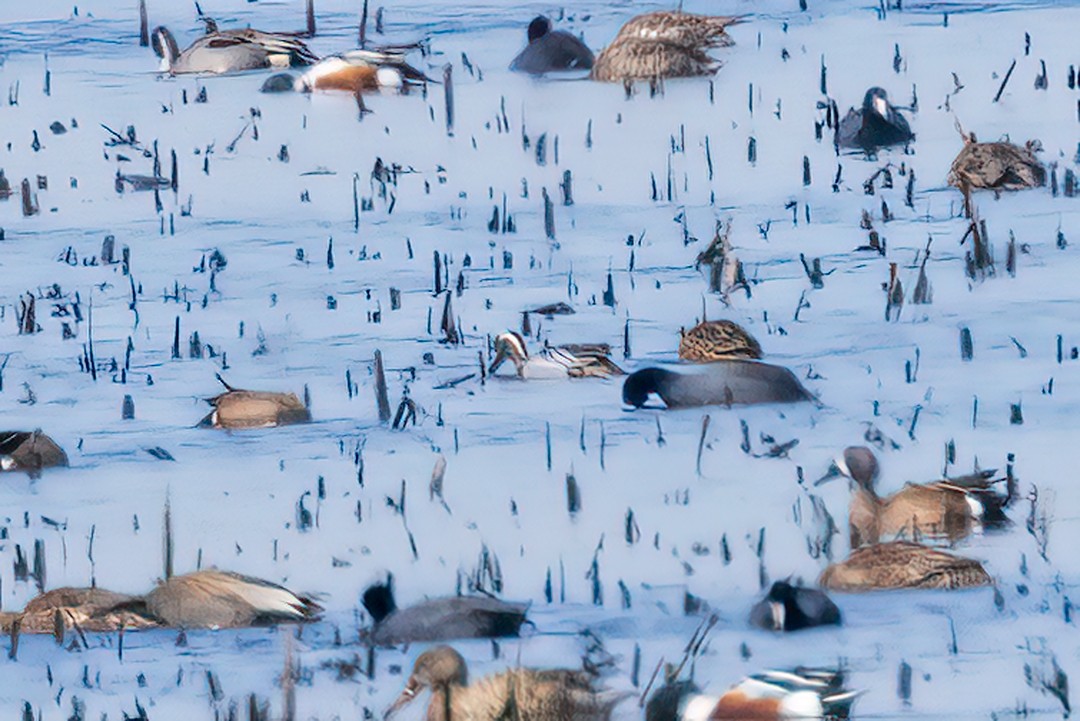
{"points": [[29, 451], [663, 44], [948, 510], [900, 564], [230, 51], [712, 340], [551, 50], [997, 166], [439, 619], [876, 125], [89, 609], [723, 383], [803, 694], [353, 71], [519, 693], [237, 408], [793, 608], [554, 362]]}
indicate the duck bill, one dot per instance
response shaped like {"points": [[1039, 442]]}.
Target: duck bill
{"points": [[406, 697], [833, 472], [881, 107], [500, 357]]}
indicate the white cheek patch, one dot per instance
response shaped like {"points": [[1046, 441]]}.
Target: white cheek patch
{"points": [[7, 463]]}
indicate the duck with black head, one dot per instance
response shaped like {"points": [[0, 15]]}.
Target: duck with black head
{"points": [[551, 51], [723, 383], [877, 124]]}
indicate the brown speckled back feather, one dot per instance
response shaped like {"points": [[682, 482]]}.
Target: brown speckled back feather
{"points": [[663, 45], [527, 695], [1000, 166], [903, 565], [91, 609], [718, 340]]}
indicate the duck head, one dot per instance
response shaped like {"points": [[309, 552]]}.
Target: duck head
{"points": [[437, 669], [876, 101], [509, 346], [165, 46], [857, 463], [539, 27], [639, 385]]}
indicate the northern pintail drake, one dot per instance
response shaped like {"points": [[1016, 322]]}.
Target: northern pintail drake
{"points": [[354, 71], [439, 619], [29, 451], [221, 599], [998, 166], [948, 510], [722, 383], [231, 51], [901, 564], [254, 409], [803, 694], [519, 693], [712, 340], [663, 44], [89, 609], [554, 362], [877, 124], [793, 608], [551, 51]]}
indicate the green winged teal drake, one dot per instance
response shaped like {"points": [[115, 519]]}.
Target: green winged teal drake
{"points": [[713, 340], [947, 510], [519, 693], [901, 564], [572, 360], [661, 45]]}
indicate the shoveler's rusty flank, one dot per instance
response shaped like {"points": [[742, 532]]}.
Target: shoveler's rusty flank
{"points": [[946, 510], [1000, 165], [354, 71], [29, 451], [522, 693], [663, 44], [713, 340], [901, 564], [240, 409], [231, 51], [572, 360], [804, 693]]}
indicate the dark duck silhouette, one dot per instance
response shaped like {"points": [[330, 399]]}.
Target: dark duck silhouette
{"points": [[793, 608], [551, 51], [876, 125], [723, 383]]}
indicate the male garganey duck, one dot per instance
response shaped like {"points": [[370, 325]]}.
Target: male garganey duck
{"points": [[439, 619], [551, 50], [254, 409], [231, 51], [554, 362], [712, 340], [663, 44], [876, 125], [793, 608], [803, 694], [29, 451], [900, 564], [519, 693], [998, 166], [204, 599], [723, 383], [354, 71], [949, 509]]}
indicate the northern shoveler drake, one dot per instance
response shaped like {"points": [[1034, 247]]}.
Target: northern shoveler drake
{"points": [[804, 693], [663, 44], [90, 609], [354, 71], [998, 166], [522, 693], [948, 509], [722, 383], [231, 51], [793, 608], [876, 125], [29, 451], [551, 51], [439, 619], [220, 599], [712, 340], [554, 362], [254, 409], [901, 564]]}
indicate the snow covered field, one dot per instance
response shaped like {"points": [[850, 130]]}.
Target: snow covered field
{"points": [[281, 318]]}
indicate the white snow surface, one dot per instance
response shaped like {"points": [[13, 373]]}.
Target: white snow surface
{"points": [[235, 496]]}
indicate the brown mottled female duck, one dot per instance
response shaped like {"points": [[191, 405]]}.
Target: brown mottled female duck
{"points": [[90, 609], [661, 45], [998, 166], [713, 340], [943, 510], [900, 564], [237, 408], [521, 693], [29, 451]]}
